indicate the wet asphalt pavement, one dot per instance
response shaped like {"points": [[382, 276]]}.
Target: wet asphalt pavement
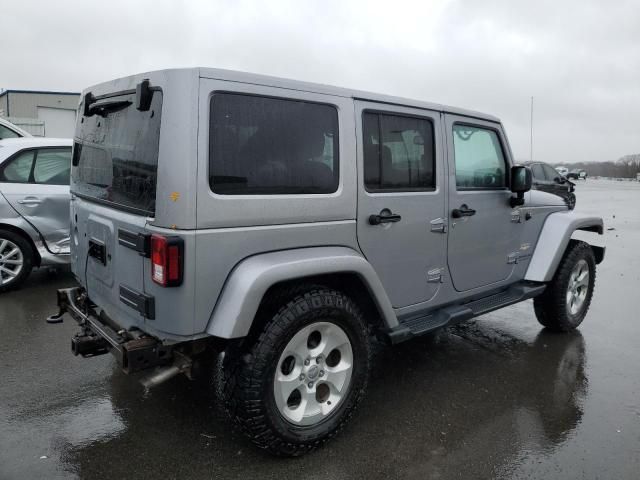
{"points": [[495, 398]]}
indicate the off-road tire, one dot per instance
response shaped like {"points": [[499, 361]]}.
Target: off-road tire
{"points": [[27, 259], [551, 307], [571, 201], [248, 370]]}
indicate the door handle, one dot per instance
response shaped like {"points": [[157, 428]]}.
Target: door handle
{"points": [[463, 211], [30, 201], [385, 216]]}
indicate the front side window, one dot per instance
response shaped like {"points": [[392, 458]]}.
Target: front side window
{"points": [[551, 173], [479, 159], [263, 146], [18, 170], [537, 171], [398, 152], [53, 166]]}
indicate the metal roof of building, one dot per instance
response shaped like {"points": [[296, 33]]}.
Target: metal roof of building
{"points": [[39, 92]]}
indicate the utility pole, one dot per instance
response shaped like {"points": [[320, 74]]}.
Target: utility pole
{"points": [[531, 137]]}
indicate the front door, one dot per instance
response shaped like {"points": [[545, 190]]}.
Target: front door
{"points": [[483, 238], [36, 184], [401, 211]]}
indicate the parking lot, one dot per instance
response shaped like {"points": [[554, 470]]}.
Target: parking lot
{"points": [[496, 397]]}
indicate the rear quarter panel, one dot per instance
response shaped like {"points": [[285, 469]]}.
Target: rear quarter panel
{"points": [[231, 228]]}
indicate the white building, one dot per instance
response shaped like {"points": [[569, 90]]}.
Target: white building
{"points": [[43, 114]]}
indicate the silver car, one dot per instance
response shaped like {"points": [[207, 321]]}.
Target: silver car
{"points": [[34, 206]]}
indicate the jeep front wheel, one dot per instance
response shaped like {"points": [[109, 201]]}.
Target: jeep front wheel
{"points": [[564, 303], [299, 382]]}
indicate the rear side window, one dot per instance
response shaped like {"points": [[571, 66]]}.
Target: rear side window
{"points": [[18, 170], [269, 146], [479, 159], [53, 166], [398, 152]]}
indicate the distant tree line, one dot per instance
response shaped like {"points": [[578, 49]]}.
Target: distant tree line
{"points": [[625, 167]]}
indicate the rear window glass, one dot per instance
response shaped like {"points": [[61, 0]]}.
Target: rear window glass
{"points": [[263, 145], [115, 154], [7, 133]]}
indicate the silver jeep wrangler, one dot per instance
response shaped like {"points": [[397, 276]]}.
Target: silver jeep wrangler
{"points": [[286, 224]]}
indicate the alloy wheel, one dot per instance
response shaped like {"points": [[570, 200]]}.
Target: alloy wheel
{"points": [[578, 286], [313, 374], [11, 261]]}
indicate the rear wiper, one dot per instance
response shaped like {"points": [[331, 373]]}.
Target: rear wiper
{"points": [[104, 108]]}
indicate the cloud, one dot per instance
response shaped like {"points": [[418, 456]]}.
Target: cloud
{"points": [[579, 59]]}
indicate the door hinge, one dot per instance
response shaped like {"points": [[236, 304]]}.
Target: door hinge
{"points": [[435, 275], [139, 242], [143, 303], [513, 257], [438, 225], [515, 216]]}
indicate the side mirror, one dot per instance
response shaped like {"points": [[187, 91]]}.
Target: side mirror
{"points": [[521, 180]]}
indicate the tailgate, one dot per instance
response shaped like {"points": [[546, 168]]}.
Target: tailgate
{"points": [[106, 262]]}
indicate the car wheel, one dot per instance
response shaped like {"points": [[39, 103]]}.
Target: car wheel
{"points": [[298, 383], [565, 302], [571, 201], [16, 260]]}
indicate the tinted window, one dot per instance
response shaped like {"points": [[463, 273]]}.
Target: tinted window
{"points": [[7, 133], [115, 158], [398, 152], [18, 170], [537, 171], [550, 173], [53, 166], [262, 145], [478, 157]]}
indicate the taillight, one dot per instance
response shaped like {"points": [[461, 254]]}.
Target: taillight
{"points": [[167, 260]]}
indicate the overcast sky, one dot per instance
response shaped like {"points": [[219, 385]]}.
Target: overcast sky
{"points": [[579, 59]]}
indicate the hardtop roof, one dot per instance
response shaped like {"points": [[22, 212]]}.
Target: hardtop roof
{"points": [[232, 75]]}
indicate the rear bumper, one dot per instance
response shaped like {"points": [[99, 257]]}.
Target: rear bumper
{"points": [[134, 350]]}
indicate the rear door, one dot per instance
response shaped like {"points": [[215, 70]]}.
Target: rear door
{"points": [[36, 183], [483, 238], [401, 201]]}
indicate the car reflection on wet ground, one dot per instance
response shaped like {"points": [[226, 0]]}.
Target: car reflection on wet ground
{"points": [[496, 397]]}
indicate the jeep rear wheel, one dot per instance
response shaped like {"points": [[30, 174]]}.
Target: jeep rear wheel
{"points": [[298, 383], [565, 301]]}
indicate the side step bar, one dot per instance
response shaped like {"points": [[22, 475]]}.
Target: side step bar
{"points": [[419, 325]]}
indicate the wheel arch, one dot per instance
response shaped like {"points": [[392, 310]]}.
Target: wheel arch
{"points": [[37, 259], [253, 281], [554, 240]]}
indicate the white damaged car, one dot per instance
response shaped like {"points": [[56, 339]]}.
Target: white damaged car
{"points": [[34, 206]]}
